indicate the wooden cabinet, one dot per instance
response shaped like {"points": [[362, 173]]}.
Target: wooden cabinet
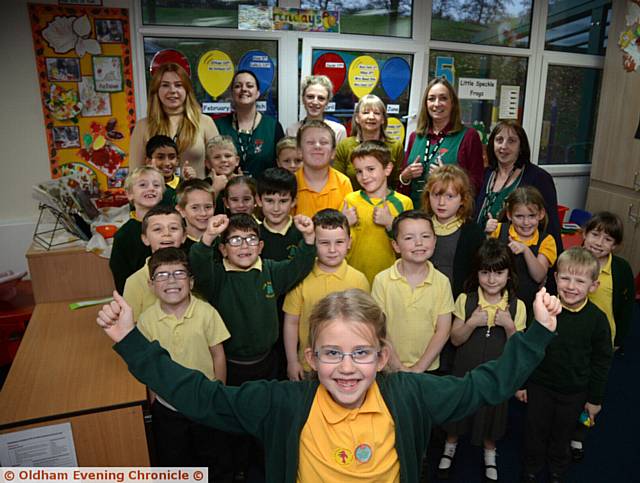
{"points": [[615, 172]]}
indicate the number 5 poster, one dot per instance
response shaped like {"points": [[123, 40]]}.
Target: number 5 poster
{"points": [[83, 58]]}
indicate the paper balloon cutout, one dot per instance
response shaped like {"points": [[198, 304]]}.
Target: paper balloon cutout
{"points": [[363, 75], [394, 76], [395, 130], [169, 55], [261, 65], [215, 71], [334, 67]]}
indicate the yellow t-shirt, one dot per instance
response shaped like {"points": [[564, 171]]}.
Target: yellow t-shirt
{"points": [[412, 314], [547, 247], [603, 296], [137, 292], [188, 339], [520, 320], [309, 202], [301, 300], [348, 445], [371, 250]]}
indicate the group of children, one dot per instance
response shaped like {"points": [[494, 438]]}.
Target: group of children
{"points": [[281, 269]]}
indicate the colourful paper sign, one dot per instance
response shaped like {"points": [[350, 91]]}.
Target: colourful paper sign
{"points": [[445, 68], [394, 76], [215, 71], [169, 55], [261, 65], [395, 129], [363, 75], [306, 20], [333, 66]]}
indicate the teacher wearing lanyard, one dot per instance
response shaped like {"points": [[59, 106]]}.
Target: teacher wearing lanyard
{"points": [[173, 111], [440, 138], [254, 135]]}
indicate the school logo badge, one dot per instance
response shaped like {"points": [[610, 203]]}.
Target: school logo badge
{"points": [[363, 453], [343, 456], [267, 288], [257, 148]]}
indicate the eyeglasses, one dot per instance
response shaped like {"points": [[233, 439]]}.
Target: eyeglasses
{"points": [[164, 276], [236, 241], [366, 355]]}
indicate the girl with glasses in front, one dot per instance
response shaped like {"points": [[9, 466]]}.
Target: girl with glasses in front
{"points": [[352, 423]]}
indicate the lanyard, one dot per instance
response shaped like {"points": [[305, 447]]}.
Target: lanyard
{"points": [[244, 148], [428, 156]]}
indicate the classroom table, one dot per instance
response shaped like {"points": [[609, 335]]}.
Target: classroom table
{"points": [[67, 371]]}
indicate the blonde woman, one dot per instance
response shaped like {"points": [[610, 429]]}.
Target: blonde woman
{"points": [[368, 124], [173, 111], [316, 92]]}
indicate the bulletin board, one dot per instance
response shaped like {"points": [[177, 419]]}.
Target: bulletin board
{"points": [[83, 59]]}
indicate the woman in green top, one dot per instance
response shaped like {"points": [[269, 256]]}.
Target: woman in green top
{"points": [[254, 135], [368, 124], [440, 138]]}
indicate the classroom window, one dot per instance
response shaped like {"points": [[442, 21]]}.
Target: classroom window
{"points": [[490, 87], [213, 86], [578, 27], [570, 114], [480, 22]]}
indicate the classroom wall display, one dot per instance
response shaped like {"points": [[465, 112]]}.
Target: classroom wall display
{"points": [[212, 64], [629, 40], [355, 74], [83, 60], [257, 17]]}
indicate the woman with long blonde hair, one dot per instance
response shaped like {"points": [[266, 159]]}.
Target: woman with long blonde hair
{"points": [[173, 111]]}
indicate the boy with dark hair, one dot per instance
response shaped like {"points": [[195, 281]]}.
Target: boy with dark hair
{"points": [[178, 440], [162, 227], [573, 374], [162, 153], [331, 273]]}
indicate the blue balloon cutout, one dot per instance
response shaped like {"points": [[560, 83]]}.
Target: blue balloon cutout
{"points": [[261, 65], [394, 76]]}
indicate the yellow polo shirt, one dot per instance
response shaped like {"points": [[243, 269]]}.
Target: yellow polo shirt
{"points": [[412, 313], [603, 296], [137, 292], [309, 202], [318, 284], [282, 231], [348, 445], [175, 181], [491, 309], [547, 247], [187, 340]]}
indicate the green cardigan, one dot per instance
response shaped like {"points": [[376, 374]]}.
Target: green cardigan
{"points": [[623, 297], [276, 411]]}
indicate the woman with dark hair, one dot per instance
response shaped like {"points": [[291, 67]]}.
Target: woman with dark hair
{"points": [[440, 138], [254, 135], [173, 111], [510, 166]]}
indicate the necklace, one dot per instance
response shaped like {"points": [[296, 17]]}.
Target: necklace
{"points": [[245, 138]]}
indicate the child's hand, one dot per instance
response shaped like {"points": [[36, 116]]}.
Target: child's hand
{"points": [[521, 395], [479, 318], [382, 215], [187, 171], [215, 227], [116, 318], [503, 319], [436, 165], [545, 309], [516, 247], [351, 213], [592, 410], [295, 371], [219, 182], [304, 224], [412, 171], [492, 224]]}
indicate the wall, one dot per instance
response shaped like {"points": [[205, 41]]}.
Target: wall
{"points": [[23, 151]]}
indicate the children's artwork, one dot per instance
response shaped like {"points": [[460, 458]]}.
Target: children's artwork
{"points": [[109, 31], [629, 40], [117, 180], [107, 74], [85, 176], [63, 69], [66, 137], [83, 59], [93, 103]]}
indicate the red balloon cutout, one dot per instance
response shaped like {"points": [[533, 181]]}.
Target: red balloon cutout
{"points": [[334, 67], [169, 55]]}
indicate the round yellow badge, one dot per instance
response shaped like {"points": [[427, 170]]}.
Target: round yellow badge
{"points": [[343, 456]]}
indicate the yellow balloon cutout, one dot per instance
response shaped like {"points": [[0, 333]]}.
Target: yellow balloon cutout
{"points": [[395, 129], [363, 75], [215, 71]]}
